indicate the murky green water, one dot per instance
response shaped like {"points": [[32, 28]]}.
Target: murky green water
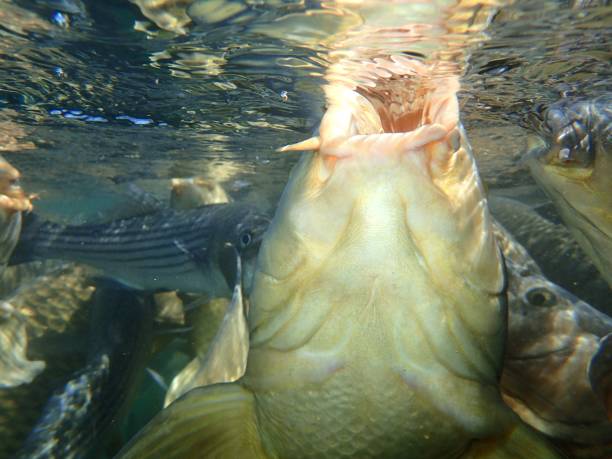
{"points": [[95, 97]]}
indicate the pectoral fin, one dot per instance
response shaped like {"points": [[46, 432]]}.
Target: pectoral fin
{"points": [[209, 422], [226, 358], [521, 443]]}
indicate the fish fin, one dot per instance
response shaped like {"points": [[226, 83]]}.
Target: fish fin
{"points": [[312, 143], [213, 422], [600, 373], [226, 358], [521, 443], [159, 379]]}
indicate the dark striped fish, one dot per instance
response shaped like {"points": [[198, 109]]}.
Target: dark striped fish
{"points": [[188, 250]]}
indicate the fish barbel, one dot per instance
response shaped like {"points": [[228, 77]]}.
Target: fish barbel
{"points": [[377, 316]]}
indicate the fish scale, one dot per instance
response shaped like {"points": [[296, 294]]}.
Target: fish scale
{"points": [[366, 430]]}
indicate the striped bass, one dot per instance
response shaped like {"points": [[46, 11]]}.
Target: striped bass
{"points": [[188, 250]]}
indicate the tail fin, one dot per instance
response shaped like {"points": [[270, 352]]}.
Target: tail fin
{"points": [[215, 422]]}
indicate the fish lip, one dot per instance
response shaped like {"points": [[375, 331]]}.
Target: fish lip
{"points": [[370, 144]]}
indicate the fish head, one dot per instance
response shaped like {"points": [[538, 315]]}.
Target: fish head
{"points": [[545, 319], [242, 234], [572, 161], [389, 206], [247, 234], [553, 340]]}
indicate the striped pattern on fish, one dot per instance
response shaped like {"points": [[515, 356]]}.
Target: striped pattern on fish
{"points": [[167, 250]]}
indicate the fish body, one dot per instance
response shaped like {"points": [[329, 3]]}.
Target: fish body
{"points": [[572, 162], [15, 368], [185, 250], [377, 317], [327, 316]]}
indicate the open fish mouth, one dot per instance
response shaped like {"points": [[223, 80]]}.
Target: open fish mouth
{"points": [[391, 135], [412, 106], [392, 182]]}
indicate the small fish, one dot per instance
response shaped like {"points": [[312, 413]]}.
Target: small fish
{"points": [[572, 162], [187, 250], [553, 340]]}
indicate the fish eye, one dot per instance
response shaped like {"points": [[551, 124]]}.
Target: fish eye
{"points": [[245, 239], [540, 297]]}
